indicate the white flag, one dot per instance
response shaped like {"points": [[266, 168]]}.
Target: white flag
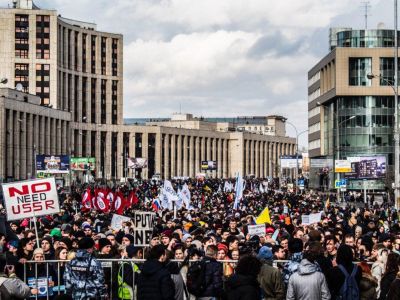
{"points": [[185, 195], [261, 189], [238, 191], [169, 192]]}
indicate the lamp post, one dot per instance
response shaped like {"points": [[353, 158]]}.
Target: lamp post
{"points": [[393, 85], [337, 148], [297, 150]]}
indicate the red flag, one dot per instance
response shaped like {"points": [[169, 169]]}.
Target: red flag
{"points": [[132, 198], [119, 203], [87, 200], [101, 201]]}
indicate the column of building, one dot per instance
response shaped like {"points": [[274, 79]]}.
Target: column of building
{"points": [[226, 159], [197, 158], [29, 147], [173, 156], [191, 156], [185, 167], [166, 174], [157, 155]]}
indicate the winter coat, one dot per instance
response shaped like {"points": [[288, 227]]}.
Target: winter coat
{"points": [[13, 288], [368, 286], [154, 282], [213, 278], [242, 287], [270, 280], [336, 278], [84, 277], [308, 283], [386, 281], [394, 291]]}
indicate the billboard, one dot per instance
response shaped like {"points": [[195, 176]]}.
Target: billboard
{"points": [[26, 199], [137, 162], [83, 163], [342, 166], [53, 164], [367, 167], [209, 165], [290, 161]]}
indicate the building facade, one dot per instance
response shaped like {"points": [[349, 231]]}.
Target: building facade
{"points": [[350, 114], [71, 75]]}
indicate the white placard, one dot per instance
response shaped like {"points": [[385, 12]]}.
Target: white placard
{"points": [[144, 223], [256, 230], [26, 199], [310, 219], [117, 220]]}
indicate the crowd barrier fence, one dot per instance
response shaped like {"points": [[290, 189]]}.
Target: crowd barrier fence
{"points": [[113, 265]]}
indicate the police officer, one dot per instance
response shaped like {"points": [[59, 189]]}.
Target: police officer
{"points": [[84, 276]]}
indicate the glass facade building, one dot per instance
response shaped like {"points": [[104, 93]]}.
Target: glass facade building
{"points": [[356, 116]]}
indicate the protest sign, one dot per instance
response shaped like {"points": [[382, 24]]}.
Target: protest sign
{"points": [[311, 218], [32, 198], [117, 220], [42, 285], [143, 223], [256, 230]]}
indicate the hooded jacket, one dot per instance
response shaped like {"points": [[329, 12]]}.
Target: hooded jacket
{"points": [[154, 282], [308, 283]]}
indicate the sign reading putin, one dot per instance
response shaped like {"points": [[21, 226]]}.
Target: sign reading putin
{"points": [[33, 198]]}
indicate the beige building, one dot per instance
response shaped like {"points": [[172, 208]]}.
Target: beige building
{"points": [[72, 75]]}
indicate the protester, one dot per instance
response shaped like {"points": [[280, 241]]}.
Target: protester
{"points": [[154, 280], [308, 282], [213, 275], [391, 270], [368, 283], [270, 278], [11, 287], [243, 285], [84, 276]]}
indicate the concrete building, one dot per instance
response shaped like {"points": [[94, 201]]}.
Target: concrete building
{"points": [[350, 115], [76, 72]]}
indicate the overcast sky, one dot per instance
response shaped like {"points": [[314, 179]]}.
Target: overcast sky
{"points": [[221, 57]]}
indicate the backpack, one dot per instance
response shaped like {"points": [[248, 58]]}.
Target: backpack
{"points": [[196, 278], [349, 289]]}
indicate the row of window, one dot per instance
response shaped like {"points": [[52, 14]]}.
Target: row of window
{"points": [[314, 128], [314, 144], [360, 67]]}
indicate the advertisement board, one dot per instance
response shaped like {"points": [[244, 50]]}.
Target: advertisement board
{"points": [[290, 161], [83, 163], [53, 164], [321, 163], [208, 165], [342, 166], [26, 199], [367, 167], [137, 162]]}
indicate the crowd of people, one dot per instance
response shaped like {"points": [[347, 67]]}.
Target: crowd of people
{"points": [[205, 251]]}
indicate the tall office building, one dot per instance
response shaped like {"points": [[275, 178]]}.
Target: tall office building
{"points": [[350, 115]]}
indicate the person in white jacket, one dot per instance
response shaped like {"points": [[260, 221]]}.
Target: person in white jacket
{"points": [[308, 283]]}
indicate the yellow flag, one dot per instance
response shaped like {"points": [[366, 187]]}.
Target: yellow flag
{"points": [[264, 217]]}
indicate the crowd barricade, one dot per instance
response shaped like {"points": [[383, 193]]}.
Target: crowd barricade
{"points": [[43, 283]]}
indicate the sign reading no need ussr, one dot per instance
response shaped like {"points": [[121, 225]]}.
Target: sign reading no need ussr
{"points": [[26, 199]]}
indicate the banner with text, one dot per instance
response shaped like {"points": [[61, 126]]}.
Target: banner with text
{"points": [[342, 166], [26, 199], [144, 223], [117, 220], [256, 230], [137, 162]]}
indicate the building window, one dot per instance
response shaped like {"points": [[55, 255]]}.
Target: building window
{"points": [[42, 37], [114, 63], [314, 128], [84, 36], [359, 67], [103, 55], [314, 144], [43, 83], [387, 71], [93, 54], [22, 76], [21, 36], [93, 83], [114, 99], [103, 101]]}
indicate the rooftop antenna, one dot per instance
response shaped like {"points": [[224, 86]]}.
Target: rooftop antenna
{"points": [[366, 7], [180, 108]]}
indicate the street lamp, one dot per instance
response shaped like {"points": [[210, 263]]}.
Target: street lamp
{"points": [[396, 136], [297, 150], [337, 148]]}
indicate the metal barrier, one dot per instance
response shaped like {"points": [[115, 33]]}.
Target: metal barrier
{"points": [[109, 265]]}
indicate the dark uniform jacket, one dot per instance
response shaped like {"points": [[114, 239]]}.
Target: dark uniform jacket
{"points": [[84, 277]]}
